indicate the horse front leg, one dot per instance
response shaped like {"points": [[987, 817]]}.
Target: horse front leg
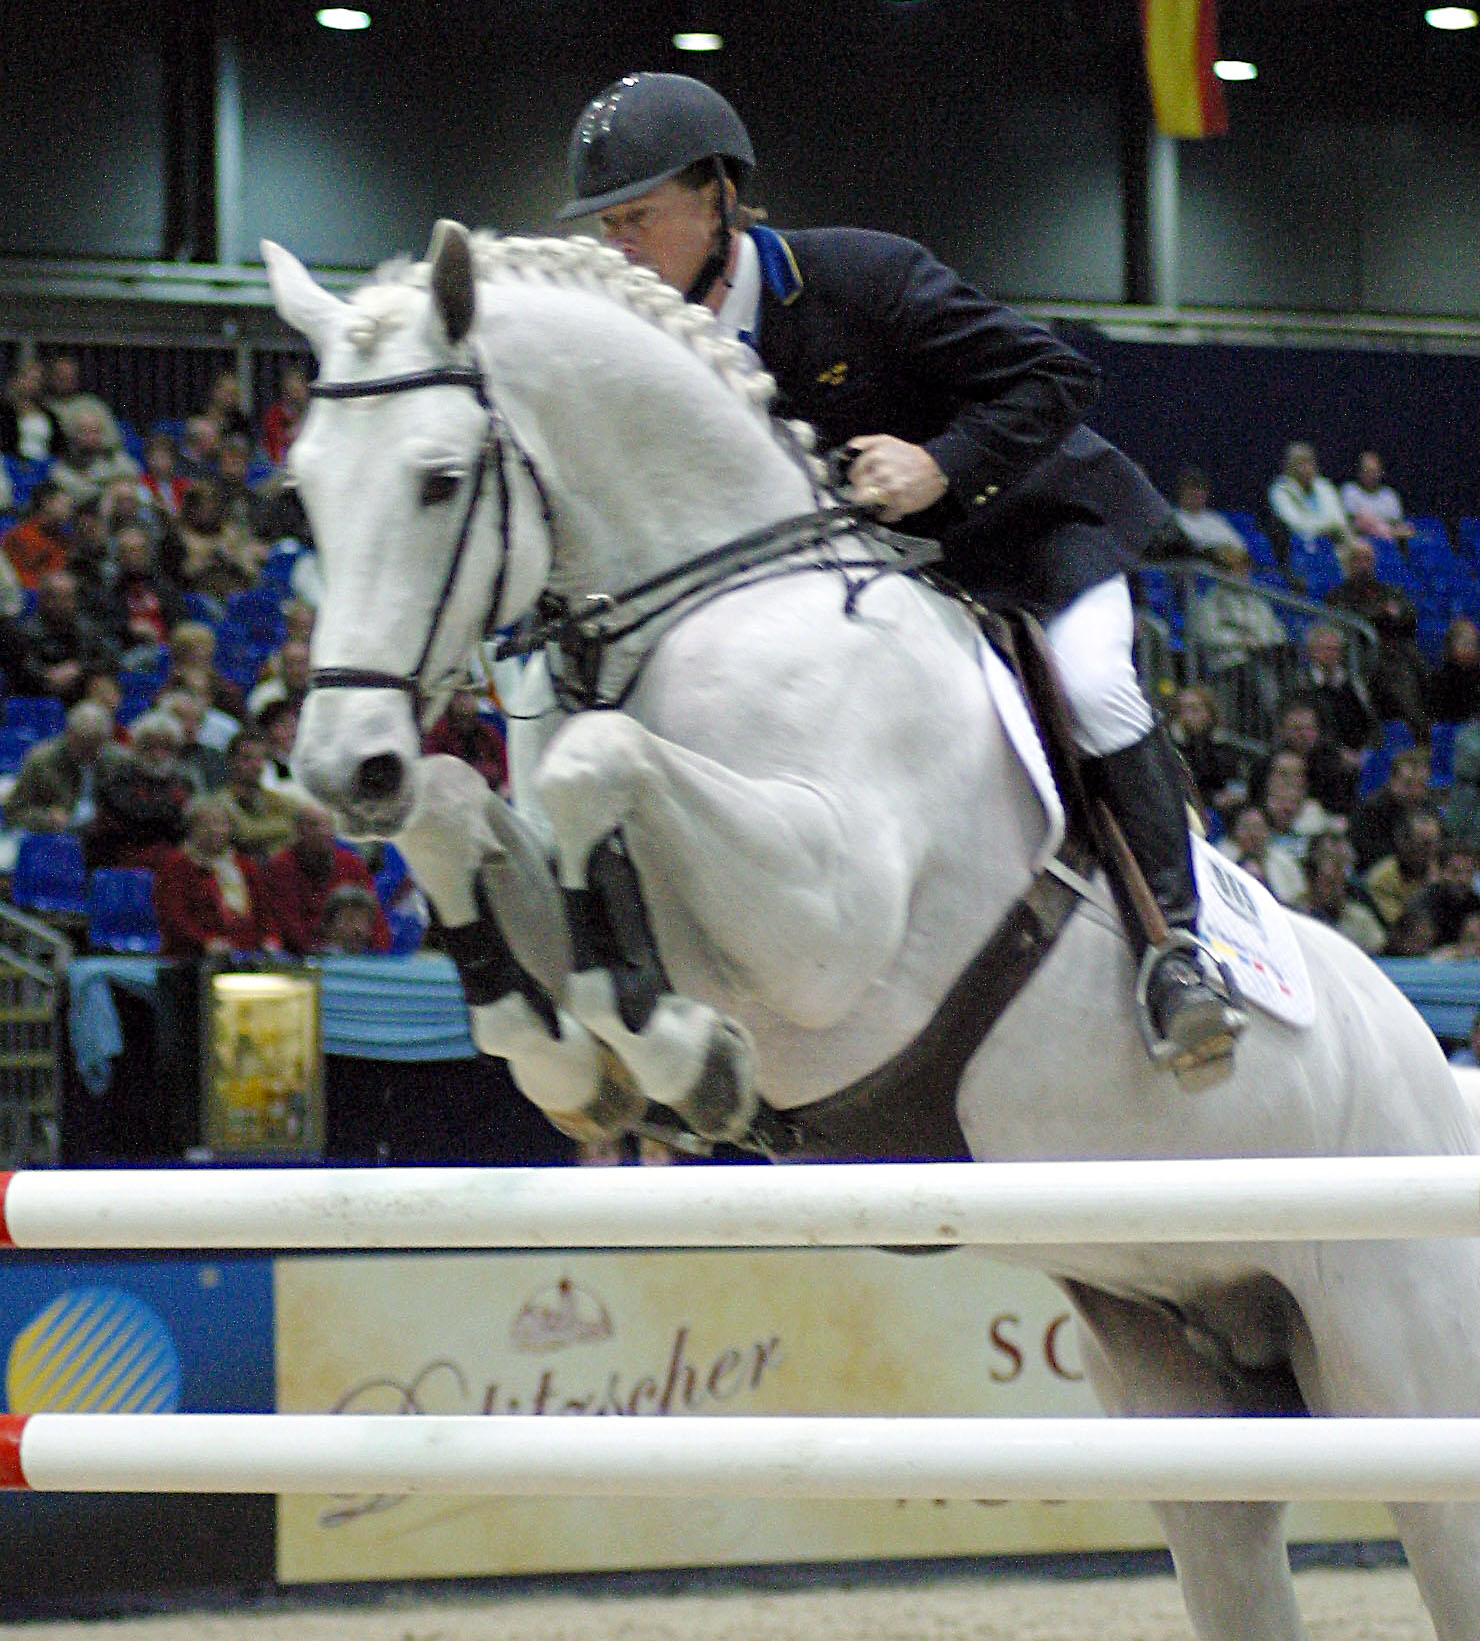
{"points": [[755, 885], [503, 924]]}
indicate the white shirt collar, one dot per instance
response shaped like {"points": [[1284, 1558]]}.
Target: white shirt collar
{"points": [[740, 310]]}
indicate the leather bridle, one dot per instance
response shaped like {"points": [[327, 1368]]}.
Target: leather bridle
{"points": [[498, 446]]}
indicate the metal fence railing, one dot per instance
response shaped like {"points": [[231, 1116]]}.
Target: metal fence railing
{"points": [[33, 991]]}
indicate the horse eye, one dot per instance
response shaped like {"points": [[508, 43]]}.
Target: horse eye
{"points": [[437, 488]]}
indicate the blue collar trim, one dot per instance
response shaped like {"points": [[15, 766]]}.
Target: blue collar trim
{"points": [[779, 272]]}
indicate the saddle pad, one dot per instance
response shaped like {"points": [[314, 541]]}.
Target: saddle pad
{"points": [[1252, 933], [1017, 722]]}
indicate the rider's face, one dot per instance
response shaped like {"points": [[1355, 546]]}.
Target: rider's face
{"points": [[671, 229]]}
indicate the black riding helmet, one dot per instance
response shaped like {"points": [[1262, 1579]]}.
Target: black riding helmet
{"points": [[644, 129]]}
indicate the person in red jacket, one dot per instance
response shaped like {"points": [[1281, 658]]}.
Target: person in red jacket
{"points": [[463, 733], [208, 898], [300, 878]]}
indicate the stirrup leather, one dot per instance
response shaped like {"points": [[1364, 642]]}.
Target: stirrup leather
{"points": [[1219, 1045]]}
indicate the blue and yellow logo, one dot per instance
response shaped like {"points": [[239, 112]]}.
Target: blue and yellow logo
{"points": [[93, 1350]]}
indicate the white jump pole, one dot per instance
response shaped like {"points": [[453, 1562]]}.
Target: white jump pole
{"points": [[814, 1458], [811, 1205]]}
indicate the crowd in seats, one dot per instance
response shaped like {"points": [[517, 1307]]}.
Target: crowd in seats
{"points": [[1364, 809], [157, 596]]}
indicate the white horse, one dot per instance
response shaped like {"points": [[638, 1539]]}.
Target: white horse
{"points": [[826, 821]]}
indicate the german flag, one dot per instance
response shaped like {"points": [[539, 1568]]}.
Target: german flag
{"points": [[1181, 46]]}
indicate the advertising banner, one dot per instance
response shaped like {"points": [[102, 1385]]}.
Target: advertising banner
{"points": [[673, 1335]]}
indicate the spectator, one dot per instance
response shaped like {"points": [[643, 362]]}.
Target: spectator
{"points": [[298, 620], [1453, 695], [57, 645], [1411, 936], [1213, 763], [208, 898], [1294, 816], [1371, 505], [29, 430], [462, 733], [1249, 843], [1340, 696], [261, 821], [277, 724], [1398, 879], [1464, 948], [301, 877], [1305, 503], [1374, 822], [89, 562], [1210, 532], [38, 543], [219, 558], [66, 401], [351, 915], [233, 466], [142, 607], [284, 677], [206, 765], [224, 407], [1237, 630], [1451, 897], [1469, 1055], [54, 790], [127, 501], [1330, 779], [88, 463], [1396, 677], [284, 416], [12, 594], [1329, 899], [200, 450], [166, 486], [141, 798], [193, 665]]}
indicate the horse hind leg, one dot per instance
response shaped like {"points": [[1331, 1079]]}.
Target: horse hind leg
{"points": [[1232, 1564]]}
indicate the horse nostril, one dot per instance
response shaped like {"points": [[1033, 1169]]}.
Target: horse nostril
{"points": [[379, 777]]}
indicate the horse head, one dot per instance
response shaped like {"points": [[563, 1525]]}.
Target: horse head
{"points": [[508, 416]]}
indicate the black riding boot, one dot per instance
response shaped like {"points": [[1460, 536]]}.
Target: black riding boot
{"points": [[1189, 1005]]}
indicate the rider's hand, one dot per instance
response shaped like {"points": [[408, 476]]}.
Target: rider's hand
{"points": [[893, 477]]}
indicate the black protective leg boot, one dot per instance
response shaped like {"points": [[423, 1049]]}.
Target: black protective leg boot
{"points": [[1191, 1007]]}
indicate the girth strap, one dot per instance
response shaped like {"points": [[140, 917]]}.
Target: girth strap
{"points": [[906, 1109]]}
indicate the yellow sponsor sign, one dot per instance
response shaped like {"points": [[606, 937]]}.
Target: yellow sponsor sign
{"points": [[682, 1334]]}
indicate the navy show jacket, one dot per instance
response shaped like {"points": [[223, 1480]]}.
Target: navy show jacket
{"points": [[867, 332]]}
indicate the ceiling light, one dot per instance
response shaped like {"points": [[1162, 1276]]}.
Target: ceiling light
{"points": [[341, 17], [1451, 17], [697, 40], [1230, 68]]}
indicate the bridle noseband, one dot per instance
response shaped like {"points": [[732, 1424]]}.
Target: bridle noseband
{"points": [[498, 442]]}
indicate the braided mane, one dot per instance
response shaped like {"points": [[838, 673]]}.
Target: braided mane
{"points": [[581, 263]]}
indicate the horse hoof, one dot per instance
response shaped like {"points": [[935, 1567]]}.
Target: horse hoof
{"points": [[723, 1102], [614, 1110]]}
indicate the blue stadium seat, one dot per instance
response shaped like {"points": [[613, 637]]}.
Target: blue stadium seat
{"points": [[13, 749], [1441, 755], [200, 607], [34, 717], [1315, 566], [1469, 541], [120, 910], [49, 874], [257, 613], [25, 476]]}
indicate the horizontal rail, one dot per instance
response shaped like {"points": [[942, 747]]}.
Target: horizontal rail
{"points": [[525, 1455], [1267, 1199]]}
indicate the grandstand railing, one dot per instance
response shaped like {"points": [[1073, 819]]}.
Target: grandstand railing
{"points": [[1170, 655], [33, 982]]}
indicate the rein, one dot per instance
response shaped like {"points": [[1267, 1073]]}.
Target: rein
{"points": [[585, 633], [498, 442]]}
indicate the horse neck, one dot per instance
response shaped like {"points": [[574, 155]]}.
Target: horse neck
{"points": [[649, 457]]}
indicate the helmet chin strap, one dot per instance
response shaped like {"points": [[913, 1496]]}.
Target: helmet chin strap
{"points": [[714, 265]]}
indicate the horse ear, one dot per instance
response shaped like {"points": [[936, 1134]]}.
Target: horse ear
{"points": [[451, 257], [306, 306]]}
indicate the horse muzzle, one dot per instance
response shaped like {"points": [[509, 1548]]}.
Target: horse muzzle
{"points": [[356, 753]]}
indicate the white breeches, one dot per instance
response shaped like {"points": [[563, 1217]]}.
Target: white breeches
{"points": [[1092, 645]]}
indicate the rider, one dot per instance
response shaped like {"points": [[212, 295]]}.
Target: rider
{"points": [[954, 413]]}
